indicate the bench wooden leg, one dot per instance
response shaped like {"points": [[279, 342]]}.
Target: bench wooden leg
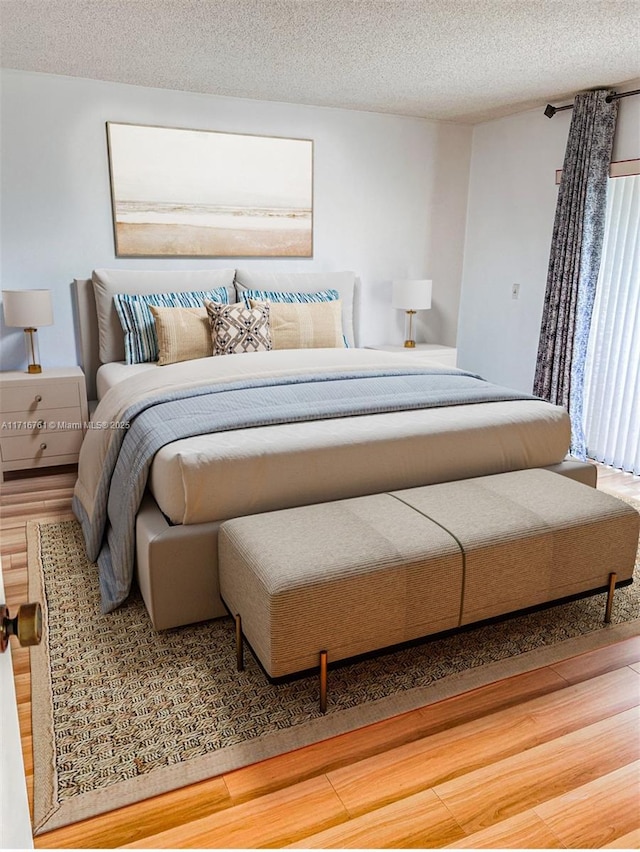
{"points": [[323, 681], [609, 607], [239, 646]]}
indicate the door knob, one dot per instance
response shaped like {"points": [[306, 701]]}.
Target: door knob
{"points": [[27, 625]]}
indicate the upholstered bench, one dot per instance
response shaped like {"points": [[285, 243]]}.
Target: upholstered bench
{"points": [[334, 580]]}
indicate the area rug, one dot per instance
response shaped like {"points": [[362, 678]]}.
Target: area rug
{"points": [[122, 713]]}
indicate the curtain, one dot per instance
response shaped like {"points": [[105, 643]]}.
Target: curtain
{"points": [[612, 370], [574, 260]]}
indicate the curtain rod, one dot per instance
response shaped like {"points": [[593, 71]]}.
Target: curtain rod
{"points": [[550, 111]]}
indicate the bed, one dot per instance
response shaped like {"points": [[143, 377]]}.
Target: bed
{"points": [[196, 482]]}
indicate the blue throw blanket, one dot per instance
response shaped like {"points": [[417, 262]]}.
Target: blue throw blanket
{"points": [[155, 422]]}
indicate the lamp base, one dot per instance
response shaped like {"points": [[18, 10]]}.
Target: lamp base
{"points": [[409, 342], [33, 350]]}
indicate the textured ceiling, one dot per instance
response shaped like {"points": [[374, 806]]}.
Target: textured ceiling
{"points": [[458, 60]]}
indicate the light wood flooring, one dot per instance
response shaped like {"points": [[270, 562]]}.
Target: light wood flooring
{"points": [[548, 759]]}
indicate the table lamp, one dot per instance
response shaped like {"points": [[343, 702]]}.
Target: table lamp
{"points": [[411, 296], [29, 310]]}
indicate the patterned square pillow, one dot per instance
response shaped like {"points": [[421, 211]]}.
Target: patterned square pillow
{"points": [[140, 339], [237, 328]]}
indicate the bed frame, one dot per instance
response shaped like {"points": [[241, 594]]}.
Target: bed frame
{"points": [[177, 565]]}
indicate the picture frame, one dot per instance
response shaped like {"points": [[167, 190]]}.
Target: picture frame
{"points": [[177, 192]]}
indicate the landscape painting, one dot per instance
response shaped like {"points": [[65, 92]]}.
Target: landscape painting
{"points": [[200, 193]]}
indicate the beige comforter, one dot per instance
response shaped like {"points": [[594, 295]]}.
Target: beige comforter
{"points": [[223, 475]]}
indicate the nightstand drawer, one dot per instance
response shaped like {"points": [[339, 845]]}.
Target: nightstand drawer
{"points": [[15, 423], [22, 398], [41, 445]]}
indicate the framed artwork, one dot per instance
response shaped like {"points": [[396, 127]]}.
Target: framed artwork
{"points": [[202, 193]]}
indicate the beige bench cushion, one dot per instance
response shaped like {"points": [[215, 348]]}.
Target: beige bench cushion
{"points": [[530, 537], [348, 576]]}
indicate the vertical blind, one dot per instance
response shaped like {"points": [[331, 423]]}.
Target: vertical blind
{"points": [[612, 370]]}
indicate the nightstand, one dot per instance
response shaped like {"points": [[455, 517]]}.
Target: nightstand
{"points": [[445, 355], [43, 418]]}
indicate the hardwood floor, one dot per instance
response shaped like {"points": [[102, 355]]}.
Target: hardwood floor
{"points": [[547, 759]]}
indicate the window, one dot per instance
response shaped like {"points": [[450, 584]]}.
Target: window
{"points": [[612, 370]]}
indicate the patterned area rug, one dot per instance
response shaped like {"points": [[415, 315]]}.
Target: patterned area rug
{"points": [[121, 713]]}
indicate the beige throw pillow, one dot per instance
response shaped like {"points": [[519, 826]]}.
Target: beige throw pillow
{"points": [[183, 333], [305, 325]]}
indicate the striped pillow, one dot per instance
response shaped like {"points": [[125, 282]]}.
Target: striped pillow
{"points": [[250, 296], [280, 296], [140, 339]]}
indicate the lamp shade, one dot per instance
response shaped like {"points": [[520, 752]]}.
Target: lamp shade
{"points": [[411, 295], [27, 308]]}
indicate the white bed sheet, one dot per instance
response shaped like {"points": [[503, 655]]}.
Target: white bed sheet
{"points": [[109, 375]]}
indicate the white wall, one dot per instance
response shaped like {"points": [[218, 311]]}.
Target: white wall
{"points": [[390, 196], [512, 200]]}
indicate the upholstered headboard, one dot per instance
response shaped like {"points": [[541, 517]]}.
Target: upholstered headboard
{"points": [[85, 303], [101, 336]]}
